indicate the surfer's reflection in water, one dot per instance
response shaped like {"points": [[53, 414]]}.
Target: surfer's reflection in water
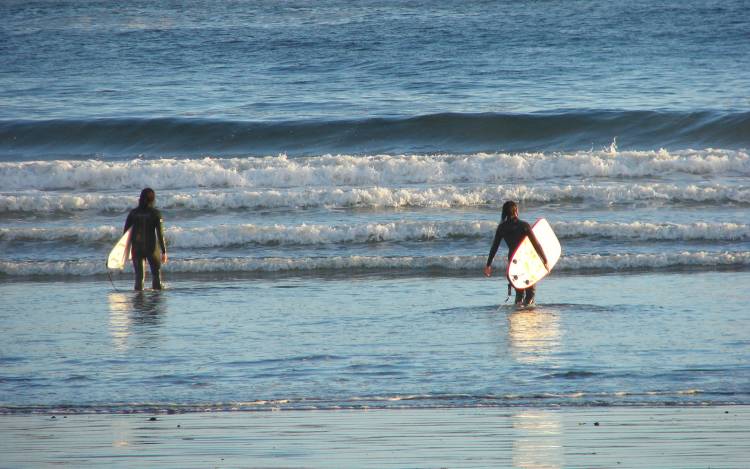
{"points": [[135, 315], [534, 335], [534, 340], [514, 231]]}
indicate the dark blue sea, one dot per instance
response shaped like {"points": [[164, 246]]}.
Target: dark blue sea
{"points": [[331, 175]]}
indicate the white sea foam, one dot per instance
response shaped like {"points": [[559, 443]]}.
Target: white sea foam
{"points": [[309, 234], [625, 262], [654, 231], [303, 234], [386, 197], [380, 170], [578, 263], [232, 235], [78, 234]]}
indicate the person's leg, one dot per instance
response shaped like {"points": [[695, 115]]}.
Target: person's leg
{"points": [[519, 296], [530, 293], [155, 264], [138, 269]]}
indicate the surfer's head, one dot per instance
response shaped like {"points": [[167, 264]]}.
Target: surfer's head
{"points": [[147, 199], [510, 210]]}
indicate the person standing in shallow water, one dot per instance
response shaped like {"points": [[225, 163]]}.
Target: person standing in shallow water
{"points": [[146, 222], [514, 231]]}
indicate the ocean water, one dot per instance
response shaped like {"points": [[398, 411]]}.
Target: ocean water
{"points": [[331, 176]]}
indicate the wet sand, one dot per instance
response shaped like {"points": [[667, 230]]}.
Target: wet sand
{"points": [[681, 437]]}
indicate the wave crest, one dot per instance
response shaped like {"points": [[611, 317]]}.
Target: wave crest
{"points": [[560, 130]]}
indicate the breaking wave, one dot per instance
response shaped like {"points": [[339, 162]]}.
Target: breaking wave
{"points": [[304, 234], [379, 170], [386, 197]]}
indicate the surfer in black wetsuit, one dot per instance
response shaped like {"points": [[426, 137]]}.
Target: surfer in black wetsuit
{"points": [[514, 231], [146, 222]]}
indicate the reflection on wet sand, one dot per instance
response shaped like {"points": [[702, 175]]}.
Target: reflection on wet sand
{"points": [[534, 335], [130, 310], [538, 443]]}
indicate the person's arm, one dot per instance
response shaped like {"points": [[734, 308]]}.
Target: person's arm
{"points": [[159, 225], [128, 223], [493, 250], [538, 248]]}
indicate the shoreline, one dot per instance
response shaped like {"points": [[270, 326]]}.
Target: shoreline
{"points": [[527, 437]]}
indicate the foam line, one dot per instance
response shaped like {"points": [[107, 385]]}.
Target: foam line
{"points": [[575, 264]]}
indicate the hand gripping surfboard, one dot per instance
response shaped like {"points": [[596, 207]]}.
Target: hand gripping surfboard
{"points": [[525, 267]]}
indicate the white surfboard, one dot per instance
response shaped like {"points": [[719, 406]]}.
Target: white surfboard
{"points": [[120, 254], [525, 267]]}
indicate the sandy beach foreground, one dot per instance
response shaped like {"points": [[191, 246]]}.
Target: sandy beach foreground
{"points": [[683, 437]]}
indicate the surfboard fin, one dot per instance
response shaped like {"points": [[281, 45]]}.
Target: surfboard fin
{"points": [[508, 297]]}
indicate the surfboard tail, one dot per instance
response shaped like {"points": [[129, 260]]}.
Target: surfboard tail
{"points": [[525, 267], [120, 253]]}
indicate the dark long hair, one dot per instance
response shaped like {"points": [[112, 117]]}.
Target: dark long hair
{"points": [[510, 209], [148, 196]]}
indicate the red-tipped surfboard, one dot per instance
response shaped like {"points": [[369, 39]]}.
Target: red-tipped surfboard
{"points": [[525, 267]]}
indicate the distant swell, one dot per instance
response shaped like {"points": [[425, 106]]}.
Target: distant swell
{"points": [[562, 130], [582, 263]]}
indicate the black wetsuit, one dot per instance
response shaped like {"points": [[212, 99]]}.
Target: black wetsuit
{"points": [[514, 231], [147, 230]]}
